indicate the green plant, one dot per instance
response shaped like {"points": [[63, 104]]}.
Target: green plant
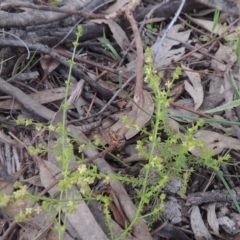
{"points": [[162, 157], [151, 28], [55, 2], [107, 45], [215, 21]]}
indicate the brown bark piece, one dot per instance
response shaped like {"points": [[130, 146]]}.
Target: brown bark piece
{"points": [[230, 6], [212, 196]]}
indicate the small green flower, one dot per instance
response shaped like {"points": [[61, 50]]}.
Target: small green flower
{"points": [[20, 121], [28, 122], [37, 210], [20, 217], [71, 62], [51, 128], [28, 211], [38, 127], [97, 140], [82, 169], [81, 148], [106, 180], [4, 200]]}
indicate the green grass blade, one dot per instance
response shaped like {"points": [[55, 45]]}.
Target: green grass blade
{"points": [[207, 120], [215, 20], [238, 51], [106, 44], [232, 104], [220, 175], [234, 86]]}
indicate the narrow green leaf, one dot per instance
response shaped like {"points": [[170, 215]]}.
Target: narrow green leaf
{"points": [[234, 86], [220, 175], [215, 20], [106, 44], [225, 106], [207, 120], [238, 51]]}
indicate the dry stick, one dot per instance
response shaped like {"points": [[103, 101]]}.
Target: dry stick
{"points": [[191, 110], [140, 225], [223, 5], [159, 228], [29, 103], [89, 62], [140, 57], [6, 6], [79, 21], [105, 93], [9, 230], [139, 69], [189, 25], [117, 204], [140, 29]]}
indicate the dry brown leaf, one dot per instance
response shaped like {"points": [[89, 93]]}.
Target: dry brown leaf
{"points": [[224, 54], [35, 180], [165, 53], [143, 116], [215, 85], [48, 64], [119, 4], [89, 228], [197, 224], [44, 221], [6, 187], [216, 142], [212, 218], [196, 89], [49, 172]]}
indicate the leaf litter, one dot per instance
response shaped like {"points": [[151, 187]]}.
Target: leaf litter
{"points": [[202, 89]]}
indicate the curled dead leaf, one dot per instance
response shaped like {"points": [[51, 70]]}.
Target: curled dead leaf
{"points": [[215, 141]]}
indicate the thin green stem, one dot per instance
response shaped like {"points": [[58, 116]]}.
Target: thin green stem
{"points": [[220, 175]]}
